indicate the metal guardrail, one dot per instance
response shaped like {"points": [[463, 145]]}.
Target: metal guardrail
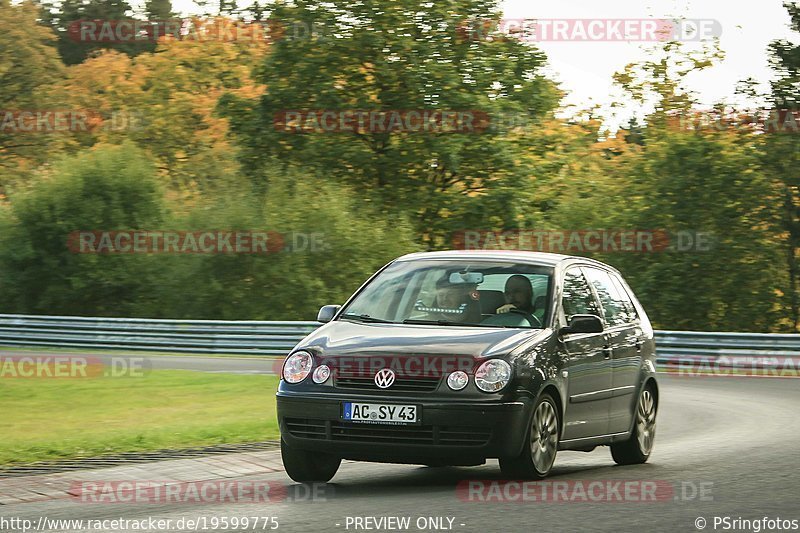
{"points": [[698, 350], [159, 335], [674, 344], [277, 338]]}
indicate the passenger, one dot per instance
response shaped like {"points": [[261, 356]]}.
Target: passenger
{"points": [[455, 302]]}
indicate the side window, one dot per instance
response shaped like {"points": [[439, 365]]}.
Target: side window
{"points": [[577, 298], [616, 307], [630, 309]]}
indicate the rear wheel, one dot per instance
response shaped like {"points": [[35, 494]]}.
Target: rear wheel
{"points": [[636, 450], [308, 467], [541, 444]]}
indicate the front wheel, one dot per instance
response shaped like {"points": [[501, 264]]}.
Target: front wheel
{"points": [[636, 450], [308, 467], [541, 444]]}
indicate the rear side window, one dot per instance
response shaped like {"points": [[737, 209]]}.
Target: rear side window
{"points": [[630, 309], [577, 298], [617, 306]]}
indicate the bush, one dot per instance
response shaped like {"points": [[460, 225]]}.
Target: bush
{"points": [[108, 188], [332, 245]]}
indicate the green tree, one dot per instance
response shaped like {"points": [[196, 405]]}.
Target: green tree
{"points": [[709, 184], [707, 181], [158, 9], [63, 15], [401, 55], [782, 153]]}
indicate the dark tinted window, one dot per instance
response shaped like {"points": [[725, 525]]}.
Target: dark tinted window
{"points": [[617, 306], [577, 298], [625, 299]]}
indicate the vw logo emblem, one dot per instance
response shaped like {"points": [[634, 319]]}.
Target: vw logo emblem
{"points": [[384, 378]]}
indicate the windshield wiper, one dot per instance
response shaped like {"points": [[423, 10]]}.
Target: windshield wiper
{"points": [[451, 323], [431, 322], [366, 318]]}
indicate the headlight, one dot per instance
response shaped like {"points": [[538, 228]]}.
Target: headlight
{"points": [[493, 375], [321, 374], [457, 380], [297, 367]]}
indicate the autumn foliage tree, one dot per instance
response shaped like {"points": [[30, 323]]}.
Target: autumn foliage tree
{"points": [[30, 72], [166, 102]]}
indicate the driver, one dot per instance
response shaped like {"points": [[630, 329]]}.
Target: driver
{"points": [[519, 295]]}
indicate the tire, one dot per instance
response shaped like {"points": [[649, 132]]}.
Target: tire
{"points": [[541, 443], [636, 450], [308, 467]]}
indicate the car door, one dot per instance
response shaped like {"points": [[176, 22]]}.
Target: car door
{"points": [[624, 334], [588, 364]]}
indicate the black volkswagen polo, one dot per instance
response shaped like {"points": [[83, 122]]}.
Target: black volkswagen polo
{"points": [[450, 358]]}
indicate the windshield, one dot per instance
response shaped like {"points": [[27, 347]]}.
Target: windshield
{"points": [[456, 293]]}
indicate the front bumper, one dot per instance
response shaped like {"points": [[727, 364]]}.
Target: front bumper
{"points": [[456, 433]]}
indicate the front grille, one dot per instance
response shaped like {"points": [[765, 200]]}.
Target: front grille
{"points": [[342, 431], [387, 434], [354, 380]]}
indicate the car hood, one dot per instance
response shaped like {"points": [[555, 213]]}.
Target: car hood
{"points": [[344, 338]]}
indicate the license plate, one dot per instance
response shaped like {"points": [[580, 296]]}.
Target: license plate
{"points": [[380, 413]]}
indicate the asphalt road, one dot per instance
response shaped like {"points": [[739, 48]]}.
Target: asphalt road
{"points": [[736, 440]]}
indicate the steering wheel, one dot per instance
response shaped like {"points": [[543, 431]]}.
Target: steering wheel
{"points": [[532, 319]]}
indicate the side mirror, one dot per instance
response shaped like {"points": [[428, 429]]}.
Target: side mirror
{"points": [[583, 324], [327, 312]]}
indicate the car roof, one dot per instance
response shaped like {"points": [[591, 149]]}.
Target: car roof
{"points": [[538, 258]]}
